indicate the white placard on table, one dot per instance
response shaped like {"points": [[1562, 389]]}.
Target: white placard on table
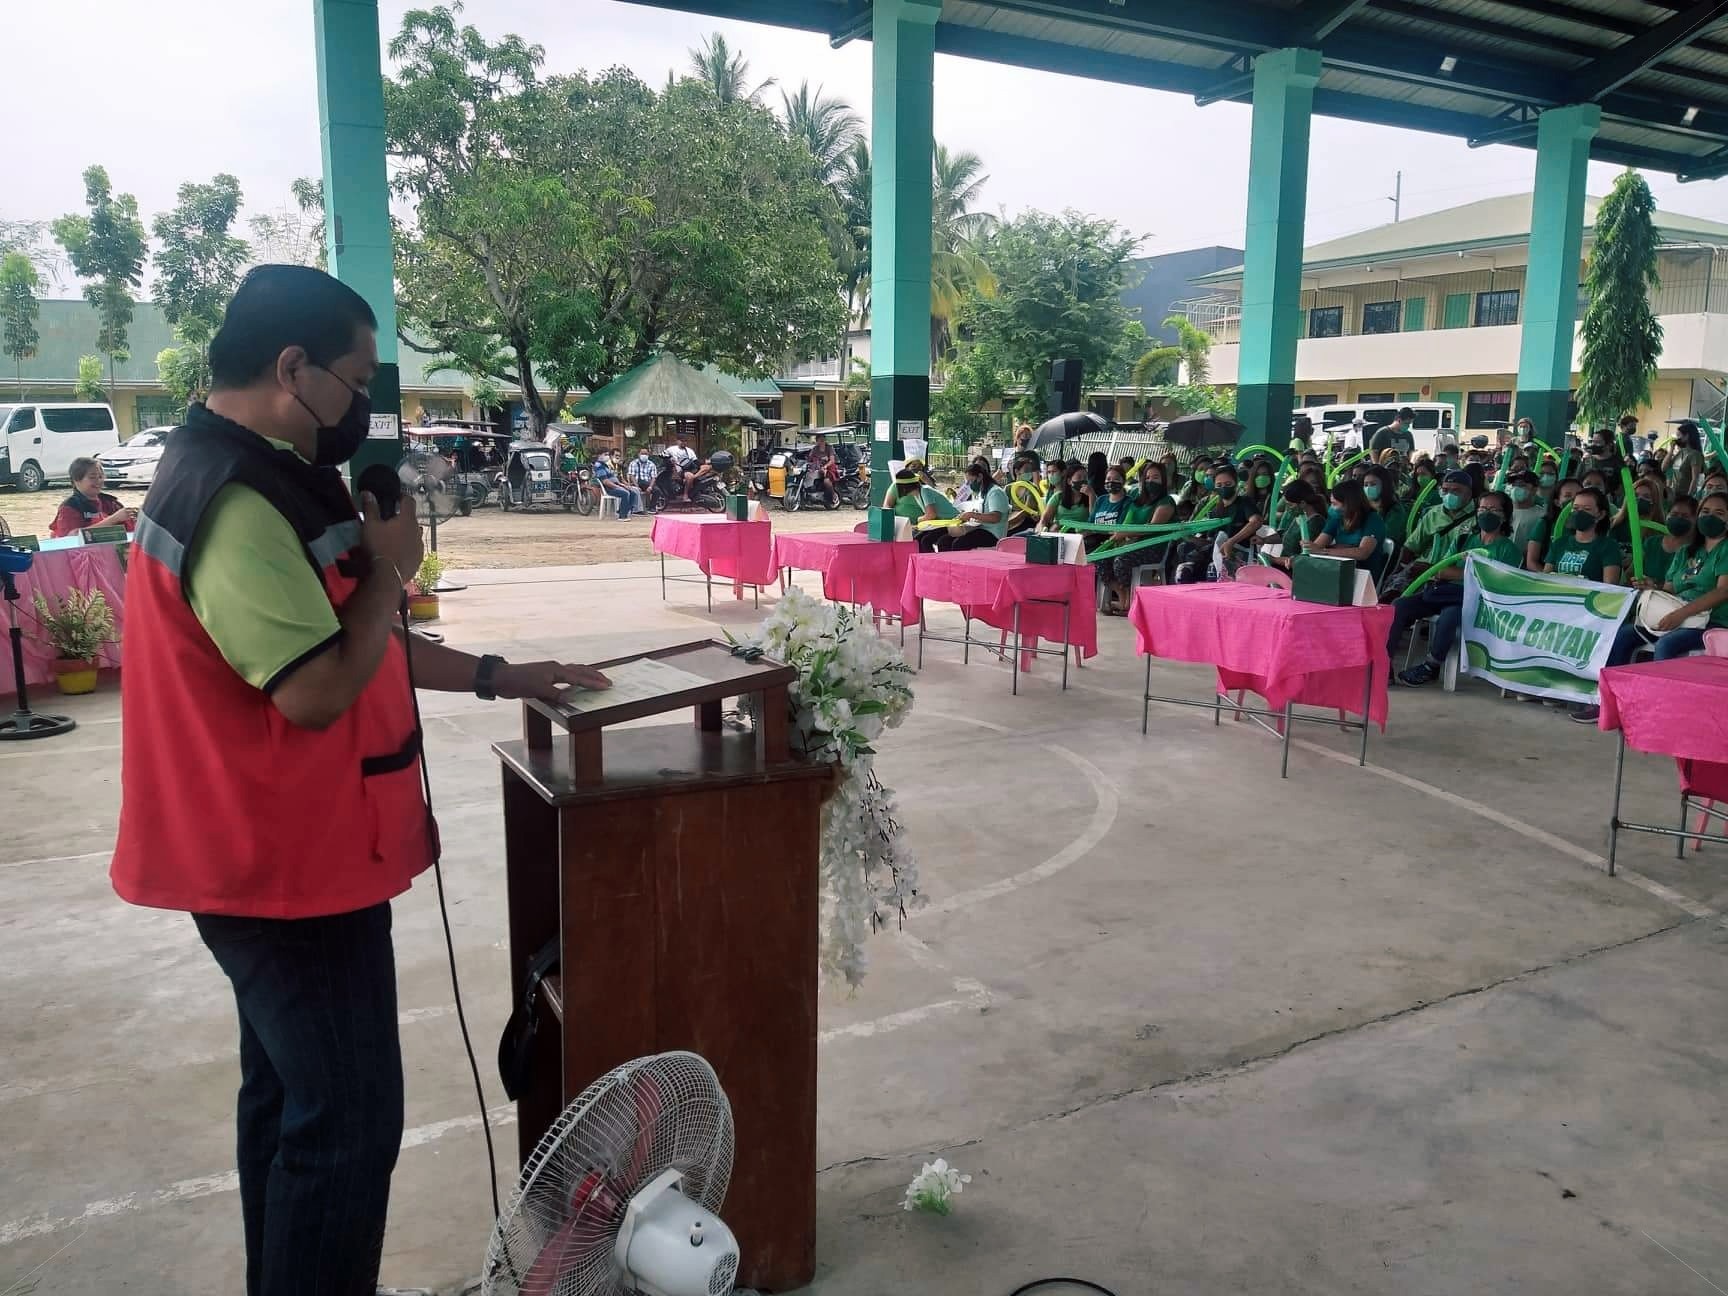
{"points": [[384, 427], [643, 680]]}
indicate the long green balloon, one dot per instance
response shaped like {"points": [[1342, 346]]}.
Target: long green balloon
{"points": [[1505, 463], [1333, 476], [1560, 524], [1248, 450], [1715, 441], [1450, 560], [1637, 527], [1416, 504]]}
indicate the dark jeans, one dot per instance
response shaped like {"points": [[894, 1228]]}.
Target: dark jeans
{"points": [[320, 1107], [1441, 599], [947, 540], [1676, 643]]}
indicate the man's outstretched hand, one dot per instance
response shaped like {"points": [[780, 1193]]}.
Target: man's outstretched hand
{"points": [[545, 680]]}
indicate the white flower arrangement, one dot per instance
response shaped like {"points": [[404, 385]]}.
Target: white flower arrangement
{"points": [[851, 687], [934, 1187]]}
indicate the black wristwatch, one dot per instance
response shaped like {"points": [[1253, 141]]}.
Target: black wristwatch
{"points": [[485, 686]]}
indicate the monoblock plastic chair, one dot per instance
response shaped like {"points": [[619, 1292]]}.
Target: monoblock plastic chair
{"points": [[1259, 574]]}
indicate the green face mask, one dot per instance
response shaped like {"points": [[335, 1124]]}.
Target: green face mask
{"points": [[1371, 490], [1520, 494], [1453, 500], [1262, 481], [1548, 479], [1206, 480]]}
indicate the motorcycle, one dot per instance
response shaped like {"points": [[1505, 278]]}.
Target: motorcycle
{"points": [[854, 487], [813, 484], [708, 492]]}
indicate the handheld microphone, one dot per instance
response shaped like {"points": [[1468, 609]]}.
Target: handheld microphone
{"points": [[382, 483]]}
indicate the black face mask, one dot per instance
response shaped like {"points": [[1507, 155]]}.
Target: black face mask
{"points": [[339, 442]]}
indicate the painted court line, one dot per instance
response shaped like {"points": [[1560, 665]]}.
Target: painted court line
{"points": [[1650, 886], [211, 1185], [19, 1089]]}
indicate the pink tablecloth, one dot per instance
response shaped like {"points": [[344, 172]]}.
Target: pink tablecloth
{"points": [[988, 586], [855, 568], [742, 552], [96, 567], [1674, 708], [1264, 641]]}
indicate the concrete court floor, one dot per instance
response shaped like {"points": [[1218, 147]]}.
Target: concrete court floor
{"points": [[1193, 1029]]}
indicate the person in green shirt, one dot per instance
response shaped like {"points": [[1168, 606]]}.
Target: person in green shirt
{"points": [[1071, 504], [1351, 529], [909, 501], [1584, 549], [986, 513], [1152, 503], [1698, 574], [1443, 596], [1534, 537], [1306, 509]]}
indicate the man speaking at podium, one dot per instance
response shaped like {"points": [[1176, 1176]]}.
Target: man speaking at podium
{"points": [[271, 778]]}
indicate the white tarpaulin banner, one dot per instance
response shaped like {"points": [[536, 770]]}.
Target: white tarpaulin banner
{"points": [[1529, 632]]}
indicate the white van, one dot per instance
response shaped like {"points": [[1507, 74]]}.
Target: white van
{"points": [[39, 442], [1435, 421]]}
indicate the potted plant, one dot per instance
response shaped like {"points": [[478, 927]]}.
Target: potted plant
{"points": [[76, 628], [423, 602]]}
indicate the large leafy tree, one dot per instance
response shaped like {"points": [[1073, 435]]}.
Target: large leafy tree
{"points": [[107, 249], [958, 230], [852, 191], [1621, 334], [1059, 294], [725, 72], [566, 228], [1192, 349], [293, 234], [18, 311], [198, 264], [823, 124]]}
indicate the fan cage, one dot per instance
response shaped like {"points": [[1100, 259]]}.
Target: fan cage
{"points": [[556, 1234]]}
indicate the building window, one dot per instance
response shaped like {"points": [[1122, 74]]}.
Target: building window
{"points": [[1326, 321], [1326, 398], [433, 408], [1380, 317], [1496, 308], [157, 411], [1415, 314], [1376, 398], [1482, 408], [804, 412], [1456, 312]]}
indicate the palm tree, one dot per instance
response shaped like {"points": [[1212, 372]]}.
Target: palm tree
{"points": [[1193, 349], [956, 232], [727, 74], [828, 127], [852, 191]]}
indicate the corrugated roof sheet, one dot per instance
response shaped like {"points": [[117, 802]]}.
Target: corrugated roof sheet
{"points": [[1489, 222]]}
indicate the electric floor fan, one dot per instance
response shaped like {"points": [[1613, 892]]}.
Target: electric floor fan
{"points": [[619, 1198]]}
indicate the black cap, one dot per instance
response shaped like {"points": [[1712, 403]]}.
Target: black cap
{"points": [[1459, 478]]}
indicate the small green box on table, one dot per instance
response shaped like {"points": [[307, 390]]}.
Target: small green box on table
{"points": [[1043, 549], [738, 507], [882, 524], [1317, 579]]}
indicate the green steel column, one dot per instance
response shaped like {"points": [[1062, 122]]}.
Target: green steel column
{"points": [[357, 193], [1550, 304], [903, 61], [1284, 82]]}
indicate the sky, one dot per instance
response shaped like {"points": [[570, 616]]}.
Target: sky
{"points": [[184, 90]]}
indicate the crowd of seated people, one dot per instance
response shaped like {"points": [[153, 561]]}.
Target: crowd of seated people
{"points": [[1557, 510]]}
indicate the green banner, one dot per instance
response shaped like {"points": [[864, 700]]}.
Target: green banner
{"points": [[1549, 635]]}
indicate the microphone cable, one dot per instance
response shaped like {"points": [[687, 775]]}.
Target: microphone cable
{"points": [[444, 912]]}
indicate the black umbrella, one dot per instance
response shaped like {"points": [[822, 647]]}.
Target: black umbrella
{"points": [[1065, 427], [1204, 429]]}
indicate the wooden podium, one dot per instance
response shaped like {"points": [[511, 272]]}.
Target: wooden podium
{"points": [[677, 866]]}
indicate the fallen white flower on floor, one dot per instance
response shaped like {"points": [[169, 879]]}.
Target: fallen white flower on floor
{"points": [[933, 1187]]}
